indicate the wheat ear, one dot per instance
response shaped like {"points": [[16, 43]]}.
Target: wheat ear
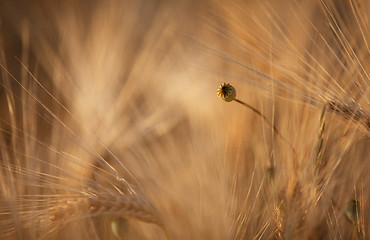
{"points": [[319, 153], [131, 206], [124, 206]]}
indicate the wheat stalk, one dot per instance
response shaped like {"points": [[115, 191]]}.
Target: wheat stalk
{"points": [[119, 205], [131, 207], [73, 206]]}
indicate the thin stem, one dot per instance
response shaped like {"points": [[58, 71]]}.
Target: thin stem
{"points": [[265, 119]]}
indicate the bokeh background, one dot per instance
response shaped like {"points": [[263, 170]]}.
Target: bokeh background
{"points": [[97, 93]]}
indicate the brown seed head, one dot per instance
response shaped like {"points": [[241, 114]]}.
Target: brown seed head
{"points": [[226, 92]]}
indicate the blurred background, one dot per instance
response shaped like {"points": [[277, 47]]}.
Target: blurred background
{"points": [[101, 97]]}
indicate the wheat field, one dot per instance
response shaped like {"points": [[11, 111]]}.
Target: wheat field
{"points": [[111, 127]]}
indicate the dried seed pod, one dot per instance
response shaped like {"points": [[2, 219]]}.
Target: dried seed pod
{"points": [[226, 92]]}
